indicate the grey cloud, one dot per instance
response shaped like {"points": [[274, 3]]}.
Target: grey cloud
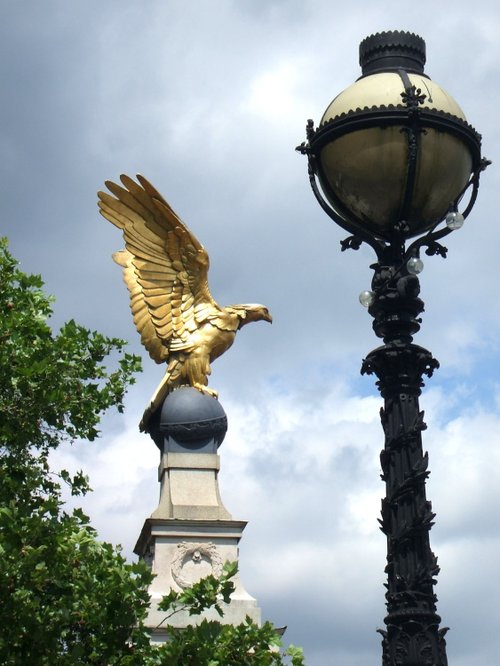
{"points": [[95, 89]]}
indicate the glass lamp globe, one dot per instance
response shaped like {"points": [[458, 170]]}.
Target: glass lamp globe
{"points": [[394, 145], [366, 298], [454, 220], [414, 265]]}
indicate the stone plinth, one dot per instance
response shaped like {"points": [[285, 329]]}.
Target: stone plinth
{"points": [[189, 489], [190, 534]]}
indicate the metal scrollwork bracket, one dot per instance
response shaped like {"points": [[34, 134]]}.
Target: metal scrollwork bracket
{"points": [[351, 243]]}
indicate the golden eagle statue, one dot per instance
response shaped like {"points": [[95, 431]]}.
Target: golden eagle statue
{"points": [[165, 269]]}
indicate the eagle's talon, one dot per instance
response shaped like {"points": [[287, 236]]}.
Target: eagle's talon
{"points": [[207, 391]]}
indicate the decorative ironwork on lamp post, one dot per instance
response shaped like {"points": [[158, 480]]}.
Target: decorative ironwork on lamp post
{"points": [[394, 159]]}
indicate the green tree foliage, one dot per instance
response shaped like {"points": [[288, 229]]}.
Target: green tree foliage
{"points": [[212, 643], [67, 598]]}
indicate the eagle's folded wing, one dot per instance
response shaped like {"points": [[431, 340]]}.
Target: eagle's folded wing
{"points": [[165, 267]]}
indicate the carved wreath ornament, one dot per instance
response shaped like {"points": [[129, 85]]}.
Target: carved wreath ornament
{"points": [[195, 554]]}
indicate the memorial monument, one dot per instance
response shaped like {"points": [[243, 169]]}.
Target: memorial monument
{"points": [[190, 534]]}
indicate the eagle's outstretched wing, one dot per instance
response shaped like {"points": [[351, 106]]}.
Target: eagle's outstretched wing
{"points": [[165, 267]]}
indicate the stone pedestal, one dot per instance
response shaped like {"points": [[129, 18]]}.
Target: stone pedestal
{"points": [[190, 534]]}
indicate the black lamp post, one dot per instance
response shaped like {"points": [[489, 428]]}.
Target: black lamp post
{"points": [[392, 159]]}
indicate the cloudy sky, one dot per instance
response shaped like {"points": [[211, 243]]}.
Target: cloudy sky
{"points": [[208, 99]]}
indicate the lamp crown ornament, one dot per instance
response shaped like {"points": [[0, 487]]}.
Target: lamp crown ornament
{"points": [[390, 51], [395, 160]]}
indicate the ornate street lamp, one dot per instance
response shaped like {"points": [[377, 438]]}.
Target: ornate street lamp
{"points": [[394, 159]]}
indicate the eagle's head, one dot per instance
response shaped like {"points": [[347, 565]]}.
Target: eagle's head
{"points": [[252, 312]]}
